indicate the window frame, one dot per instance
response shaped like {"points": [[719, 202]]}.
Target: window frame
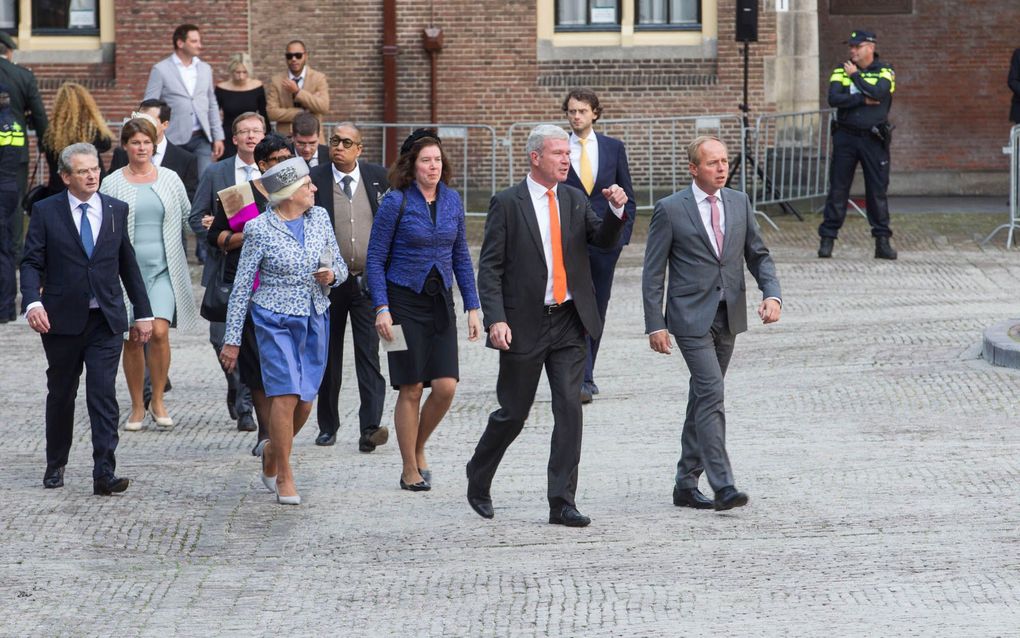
{"points": [[13, 31], [67, 32], [687, 26], [598, 27]]}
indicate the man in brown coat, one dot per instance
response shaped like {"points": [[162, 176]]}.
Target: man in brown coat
{"points": [[300, 90]]}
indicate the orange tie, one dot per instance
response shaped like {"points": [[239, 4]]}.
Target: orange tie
{"points": [[559, 272]]}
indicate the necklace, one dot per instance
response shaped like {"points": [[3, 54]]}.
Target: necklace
{"points": [[145, 174]]}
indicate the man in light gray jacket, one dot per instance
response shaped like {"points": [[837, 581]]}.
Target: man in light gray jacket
{"points": [[186, 84], [705, 234]]}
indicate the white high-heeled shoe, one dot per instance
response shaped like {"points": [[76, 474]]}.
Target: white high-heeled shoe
{"points": [[163, 422], [288, 500], [133, 426], [268, 481]]}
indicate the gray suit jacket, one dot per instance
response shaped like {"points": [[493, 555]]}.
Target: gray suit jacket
{"points": [[215, 178], [677, 238], [165, 84]]}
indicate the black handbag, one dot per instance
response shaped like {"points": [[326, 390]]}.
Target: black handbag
{"points": [[217, 293]]}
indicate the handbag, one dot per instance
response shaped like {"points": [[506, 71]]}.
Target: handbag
{"points": [[217, 294], [37, 193]]}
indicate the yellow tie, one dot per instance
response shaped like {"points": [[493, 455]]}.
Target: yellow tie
{"points": [[587, 178]]}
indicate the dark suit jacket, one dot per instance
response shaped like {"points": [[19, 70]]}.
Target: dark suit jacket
{"points": [[612, 169], [512, 272], [180, 161], [55, 261], [373, 179], [678, 244], [25, 100], [1014, 86], [323, 155]]}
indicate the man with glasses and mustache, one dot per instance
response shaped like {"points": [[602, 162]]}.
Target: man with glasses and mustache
{"points": [[300, 90], [350, 191]]}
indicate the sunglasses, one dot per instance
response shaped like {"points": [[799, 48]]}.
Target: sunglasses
{"points": [[294, 56], [347, 142]]}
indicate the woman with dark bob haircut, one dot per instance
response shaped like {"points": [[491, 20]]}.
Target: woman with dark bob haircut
{"points": [[417, 248], [158, 210]]}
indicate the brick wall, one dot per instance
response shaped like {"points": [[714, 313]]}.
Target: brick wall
{"points": [[951, 103]]}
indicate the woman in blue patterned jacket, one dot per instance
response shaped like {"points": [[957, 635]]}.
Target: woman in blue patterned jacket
{"points": [[293, 248], [417, 248]]}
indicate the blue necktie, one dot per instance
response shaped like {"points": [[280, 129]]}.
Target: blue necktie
{"points": [[86, 230], [248, 170]]}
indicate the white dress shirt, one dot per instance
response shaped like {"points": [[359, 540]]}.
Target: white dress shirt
{"points": [[189, 75], [541, 202], [592, 147], [299, 79], [240, 176], [338, 177], [159, 152], [705, 210]]}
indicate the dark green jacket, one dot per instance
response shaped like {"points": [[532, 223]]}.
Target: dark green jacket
{"points": [[26, 103]]}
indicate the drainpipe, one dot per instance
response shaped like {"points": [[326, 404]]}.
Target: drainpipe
{"points": [[389, 55], [432, 40]]}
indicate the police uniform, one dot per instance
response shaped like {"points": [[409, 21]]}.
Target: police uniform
{"points": [[22, 97], [861, 133]]}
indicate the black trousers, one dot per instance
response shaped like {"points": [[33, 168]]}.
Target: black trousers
{"points": [[603, 267], [10, 238], [849, 148], [98, 349], [561, 351], [348, 300]]}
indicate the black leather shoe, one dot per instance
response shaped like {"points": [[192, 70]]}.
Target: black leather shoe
{"points": [[325, 438], [373, 437], [728, 497], [481, 505], [53, 478], [883, 249], [594, 388], [585, 395], [825, 247], [569, 516], [246, 423], [691, 498], [231, 408], [420, 486], [106, 487]]}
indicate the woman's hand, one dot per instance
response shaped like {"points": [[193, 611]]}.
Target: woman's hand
{"points": [[228, 357], [474, 325], [324, 276], [384, 323]]}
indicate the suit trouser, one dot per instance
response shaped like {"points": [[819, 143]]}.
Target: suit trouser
{"points": [[560, 348], [202, 148], [849, 148], [10, 230], [347, 299], [98, 349], [235, 387], [703, 442], [603, 267]]}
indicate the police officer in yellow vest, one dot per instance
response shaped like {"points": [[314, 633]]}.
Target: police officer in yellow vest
{"points": [[861, 90]]}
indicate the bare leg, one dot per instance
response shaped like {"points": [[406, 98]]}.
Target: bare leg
{"points": [[281, 435], [436, 406], [159, 364], [405, 416], [262, 406], [134, 374]]}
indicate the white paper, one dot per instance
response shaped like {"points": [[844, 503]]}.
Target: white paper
{"points": [[399, 344]]}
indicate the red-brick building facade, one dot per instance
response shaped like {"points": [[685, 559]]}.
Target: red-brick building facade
{"points": [[506, 61]]}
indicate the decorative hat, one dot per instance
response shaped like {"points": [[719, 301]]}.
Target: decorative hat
{"points": [[416, 135], [283, 179]]}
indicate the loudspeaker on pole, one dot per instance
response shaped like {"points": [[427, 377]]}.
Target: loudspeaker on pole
{"points": [[747, 20]]}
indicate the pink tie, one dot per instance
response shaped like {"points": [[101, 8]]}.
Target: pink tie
{"points": [[712, 199]]}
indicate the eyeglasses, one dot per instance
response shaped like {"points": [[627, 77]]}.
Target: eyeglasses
{"points": [[347, 142], [294, 56], [85, 172], [245, 132]]}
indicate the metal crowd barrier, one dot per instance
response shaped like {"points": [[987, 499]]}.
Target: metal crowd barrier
{"points": [[656, 149], [1014, 189], [471, 146]]}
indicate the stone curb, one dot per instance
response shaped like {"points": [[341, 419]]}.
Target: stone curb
{"points": [[999, 349]]}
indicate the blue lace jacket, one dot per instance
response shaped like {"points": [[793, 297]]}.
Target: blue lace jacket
{"points": [[417, 245]]}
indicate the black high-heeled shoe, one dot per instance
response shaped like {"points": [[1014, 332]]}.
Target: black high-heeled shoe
{"points": [[421, 486], [426, 474]]}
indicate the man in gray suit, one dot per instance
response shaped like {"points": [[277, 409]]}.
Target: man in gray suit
{"points": [[705, 233], [186, 84]]}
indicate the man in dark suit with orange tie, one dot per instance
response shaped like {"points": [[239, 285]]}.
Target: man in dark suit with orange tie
{"points": [[77, 254], [596, 162], [534, 283]]}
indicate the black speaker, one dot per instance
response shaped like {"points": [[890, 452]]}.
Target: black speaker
{"points": [[747, 20]]}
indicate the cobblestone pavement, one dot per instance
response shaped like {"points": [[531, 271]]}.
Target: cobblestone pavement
{"points": [[881, 454]]}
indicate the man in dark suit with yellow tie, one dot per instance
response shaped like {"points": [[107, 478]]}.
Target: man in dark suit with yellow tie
{"points": [[77, 255], [596, 162], [534, 283]]}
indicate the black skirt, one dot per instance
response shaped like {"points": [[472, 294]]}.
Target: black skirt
{"points": [[430, 330]]}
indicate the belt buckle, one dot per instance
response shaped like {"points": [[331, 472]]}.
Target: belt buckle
{"points": [[553, 308]]}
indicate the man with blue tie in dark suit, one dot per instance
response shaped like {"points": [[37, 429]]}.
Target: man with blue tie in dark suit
{"points": [[77, 253], [596, 162]]}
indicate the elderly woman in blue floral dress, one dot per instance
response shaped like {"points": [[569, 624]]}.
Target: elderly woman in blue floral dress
{"points": [[294, 250]]}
